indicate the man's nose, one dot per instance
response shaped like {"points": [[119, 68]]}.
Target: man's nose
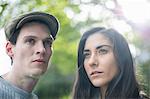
{"points": [[93, 61], [40, 48]]}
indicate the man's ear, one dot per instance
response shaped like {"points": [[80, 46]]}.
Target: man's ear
{"points": [[10, 49]]}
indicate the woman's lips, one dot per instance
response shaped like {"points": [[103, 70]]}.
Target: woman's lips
{"points": [[96, 73]]}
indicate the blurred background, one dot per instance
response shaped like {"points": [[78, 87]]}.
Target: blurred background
{"points": [[130, 17]]}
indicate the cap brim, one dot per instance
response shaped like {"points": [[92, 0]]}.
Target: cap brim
{"points": [[47, 19]]}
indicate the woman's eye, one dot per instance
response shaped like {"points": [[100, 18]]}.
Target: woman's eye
{"points": [[86, 55], [103, 51]]}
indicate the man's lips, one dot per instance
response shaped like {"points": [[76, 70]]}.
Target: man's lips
{"points": [[39, 60]]}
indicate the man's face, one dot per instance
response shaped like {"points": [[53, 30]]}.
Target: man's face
{"points": [[32, 51]]}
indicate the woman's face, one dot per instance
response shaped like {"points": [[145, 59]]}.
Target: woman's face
{"points": [[99, 61]]}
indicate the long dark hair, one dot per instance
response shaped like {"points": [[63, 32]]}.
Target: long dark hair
{"points": [[123, 86]]}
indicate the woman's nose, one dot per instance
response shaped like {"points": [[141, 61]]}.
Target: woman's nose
{"points": [[93, 61]]}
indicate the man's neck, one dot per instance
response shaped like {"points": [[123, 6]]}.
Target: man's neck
{"points": [[25, 83]]}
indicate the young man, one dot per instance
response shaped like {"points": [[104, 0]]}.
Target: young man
{"points": [[29, 45]]}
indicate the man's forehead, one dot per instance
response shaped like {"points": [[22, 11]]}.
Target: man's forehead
{"points": [[35, 34], [37, 23], [35, 27]]}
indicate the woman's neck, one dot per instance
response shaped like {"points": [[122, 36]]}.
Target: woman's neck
{"points": [[103, 91]]}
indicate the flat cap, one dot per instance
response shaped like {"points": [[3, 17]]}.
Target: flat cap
{"points": [[16, 23]]}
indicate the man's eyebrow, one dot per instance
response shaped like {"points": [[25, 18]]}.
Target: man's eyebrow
{"points": [[30, 36], [49, 38]]}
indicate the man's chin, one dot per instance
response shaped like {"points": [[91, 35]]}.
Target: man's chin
{"points": [[36, 75]]}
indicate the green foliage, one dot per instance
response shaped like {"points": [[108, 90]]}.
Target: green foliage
{"points": [[3, 6], [145, 72], [58, 81], [59, 78], [54, 85]]}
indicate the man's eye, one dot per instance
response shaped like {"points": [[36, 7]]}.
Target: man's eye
{"points": [[48, 43], [30, 41]]}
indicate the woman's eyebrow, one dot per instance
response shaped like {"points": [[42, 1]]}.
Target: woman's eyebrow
{"points": [[100, 46], [86, 50]]}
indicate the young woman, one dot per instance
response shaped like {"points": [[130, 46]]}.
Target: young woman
{"points": [[105, 67]]}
